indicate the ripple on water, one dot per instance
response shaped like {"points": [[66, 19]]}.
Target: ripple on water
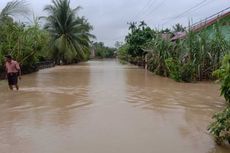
{"points": [[41, 98], [55, 90], [172, 99]]}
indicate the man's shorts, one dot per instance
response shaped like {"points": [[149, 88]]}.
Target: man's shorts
{"points": [[12, 78]]}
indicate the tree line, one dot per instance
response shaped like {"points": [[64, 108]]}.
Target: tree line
{"points": [[191, 59], [65, 37], [102, 51]]}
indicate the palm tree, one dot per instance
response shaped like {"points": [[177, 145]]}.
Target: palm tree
{"points": [[13, 8], [70, 37], [132, 26], [142, 25], [178, 28]]}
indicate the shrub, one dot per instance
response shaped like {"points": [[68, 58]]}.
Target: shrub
{"points": [[174, 69], [224, 75], [220, 128]]}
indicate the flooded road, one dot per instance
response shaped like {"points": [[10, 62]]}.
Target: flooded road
{"points": [[106, 107]]}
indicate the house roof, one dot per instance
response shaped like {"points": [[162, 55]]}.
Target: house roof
{"points": [[166, 36], [204, 23], [201, 25], [178, 35]]}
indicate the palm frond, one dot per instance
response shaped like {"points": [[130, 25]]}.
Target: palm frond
{"points": [[14, 8], [70, 33]]}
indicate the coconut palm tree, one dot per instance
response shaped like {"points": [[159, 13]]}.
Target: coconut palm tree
{"points": [[13, 8], [132, 26], [142, 24], [70, 34], [178, 28]]}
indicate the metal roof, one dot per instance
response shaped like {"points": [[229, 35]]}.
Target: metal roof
{"points": [[196, 27]]}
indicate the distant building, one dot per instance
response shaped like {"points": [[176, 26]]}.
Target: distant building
{"points": [[221, 18], [166, 36], [92, 53], [179, 35]]}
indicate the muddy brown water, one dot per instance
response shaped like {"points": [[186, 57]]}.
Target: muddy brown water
{"points": [[106, 107]]}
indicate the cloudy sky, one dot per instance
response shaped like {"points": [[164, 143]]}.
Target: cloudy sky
{"points": [[110, 17]]}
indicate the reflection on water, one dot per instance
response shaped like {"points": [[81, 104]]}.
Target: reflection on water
{"points": [[105, 107]]}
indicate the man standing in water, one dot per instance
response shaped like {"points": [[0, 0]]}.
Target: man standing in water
{"points": [[13, 72]]}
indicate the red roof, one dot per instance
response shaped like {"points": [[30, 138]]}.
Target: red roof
{"points": [[204, 23], [178, 35], [208, 22]]}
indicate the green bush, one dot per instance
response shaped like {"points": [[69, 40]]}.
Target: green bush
{"points": [[187, 72], [123, 53], [190, 59], [102, 51], [158, 51], [220, 128], [27, 44], [138, 36], [224, 76], [180, 72], [174, 69]]}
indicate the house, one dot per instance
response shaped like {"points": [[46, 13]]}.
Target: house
{"points": [[221, 18], [92, 53]]}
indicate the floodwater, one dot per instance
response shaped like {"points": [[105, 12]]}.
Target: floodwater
{"points": [[106, 107]]}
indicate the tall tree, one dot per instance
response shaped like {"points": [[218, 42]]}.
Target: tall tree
{"points": [[13, 8], [167, 30], [178, 28], [142, 25], [132, 26], [70, 34]]}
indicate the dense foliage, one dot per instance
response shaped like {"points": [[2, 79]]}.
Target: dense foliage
{"points": [[224, 75], [102, 51], [178, 28], [220, 128], [123, 53], [138, 36], [70, 33], [190, 59], [27, 44], [13, 8], [66, 36]]}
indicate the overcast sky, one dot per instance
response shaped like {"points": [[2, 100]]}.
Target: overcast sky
{"points": [[109, 17]]}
